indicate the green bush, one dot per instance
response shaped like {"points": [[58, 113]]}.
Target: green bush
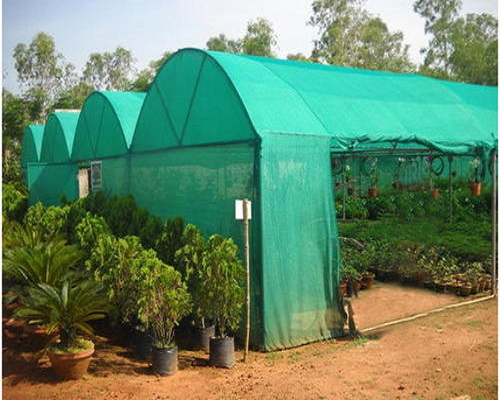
{"points": [[14, 202]]}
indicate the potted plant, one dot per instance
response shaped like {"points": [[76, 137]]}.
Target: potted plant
{"points": [[222, 291], [66, 310], [475, 184], [349, 181], [396, 183], [163, 302], [353, 278], [188, 261], [432, 178], [373, 174]]}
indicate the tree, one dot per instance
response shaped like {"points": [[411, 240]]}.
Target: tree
{"points": [[258, 40], [109, 71], [298, 57], [463, 49], [143, 81], [74, 97], [15, 117], [439, 16], [475, 49], [42, 73], [350, 36], [222, 43]]}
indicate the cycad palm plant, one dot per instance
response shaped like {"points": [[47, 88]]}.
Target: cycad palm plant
{"points": [[67, 309], [48, 262]]}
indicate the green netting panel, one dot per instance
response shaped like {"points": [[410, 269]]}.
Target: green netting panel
{"points": [[200, 184], [106, 125], [48, 183], [58, 137], [115, 176], [32, 144], [191, 101], [353, 105], [300, 254]]}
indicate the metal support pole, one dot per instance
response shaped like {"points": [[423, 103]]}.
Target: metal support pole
{"points": [[494, 234], [247, 266]]}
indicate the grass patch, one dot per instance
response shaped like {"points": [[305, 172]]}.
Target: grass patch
{"points": [[475, 324]]}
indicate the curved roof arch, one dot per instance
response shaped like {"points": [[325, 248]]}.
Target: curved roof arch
{"points": [[191, 102], [106, 125], [32, 144], [201, 97], [58, 136]]}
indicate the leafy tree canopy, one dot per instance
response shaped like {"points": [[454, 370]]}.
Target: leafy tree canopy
{"points": [[460, 48], [258, 40], [350, 36]]}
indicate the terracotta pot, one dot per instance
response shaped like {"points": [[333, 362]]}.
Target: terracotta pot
{"points": [[350, 191], [396, 185], [367, 280], [343, 288], [372, 192], [475, 188], [435, 194], [71, 366]]}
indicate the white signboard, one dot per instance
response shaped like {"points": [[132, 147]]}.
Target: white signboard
{"points": [[238, 209]]}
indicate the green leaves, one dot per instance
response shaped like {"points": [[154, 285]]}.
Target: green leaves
{"points": [[68, 308], [222, 274], [349, 36]]}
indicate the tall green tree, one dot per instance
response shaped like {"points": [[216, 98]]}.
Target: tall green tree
{"points": [[460, 48], [475, 49], [222, 43], [109, 70], [259, 40], [439, 17], [42, 72], [350, 36], [143, 80], [15, 117]]}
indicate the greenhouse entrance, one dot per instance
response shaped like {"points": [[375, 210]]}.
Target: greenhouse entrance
{"points": [[417, 230]]}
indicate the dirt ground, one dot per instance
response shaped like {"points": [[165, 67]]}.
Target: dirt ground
{"points": [[442, 356]]}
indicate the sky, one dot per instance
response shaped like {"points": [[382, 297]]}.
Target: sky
{"points": [[148, 28]]}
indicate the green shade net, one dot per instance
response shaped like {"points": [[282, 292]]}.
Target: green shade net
{"points": [[300, 254], [58, 137], [32, 144], [354, 106], [106, 125], [49, 183]]}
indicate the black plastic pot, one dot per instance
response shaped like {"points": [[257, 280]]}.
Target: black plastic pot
{"points": [[202, 337], [165, 361], [221, 352]]}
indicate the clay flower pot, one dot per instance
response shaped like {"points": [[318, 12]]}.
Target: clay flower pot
{"points": [[71, 365], [475, 188]]}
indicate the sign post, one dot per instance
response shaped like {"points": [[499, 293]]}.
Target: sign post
{"points": [[243, 211]]}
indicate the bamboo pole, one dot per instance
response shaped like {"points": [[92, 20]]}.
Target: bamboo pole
{"points": [[247, 266]]}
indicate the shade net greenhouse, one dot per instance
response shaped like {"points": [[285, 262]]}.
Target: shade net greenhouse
{"points": [[102, 139], [54, 176], [216, 127]]}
